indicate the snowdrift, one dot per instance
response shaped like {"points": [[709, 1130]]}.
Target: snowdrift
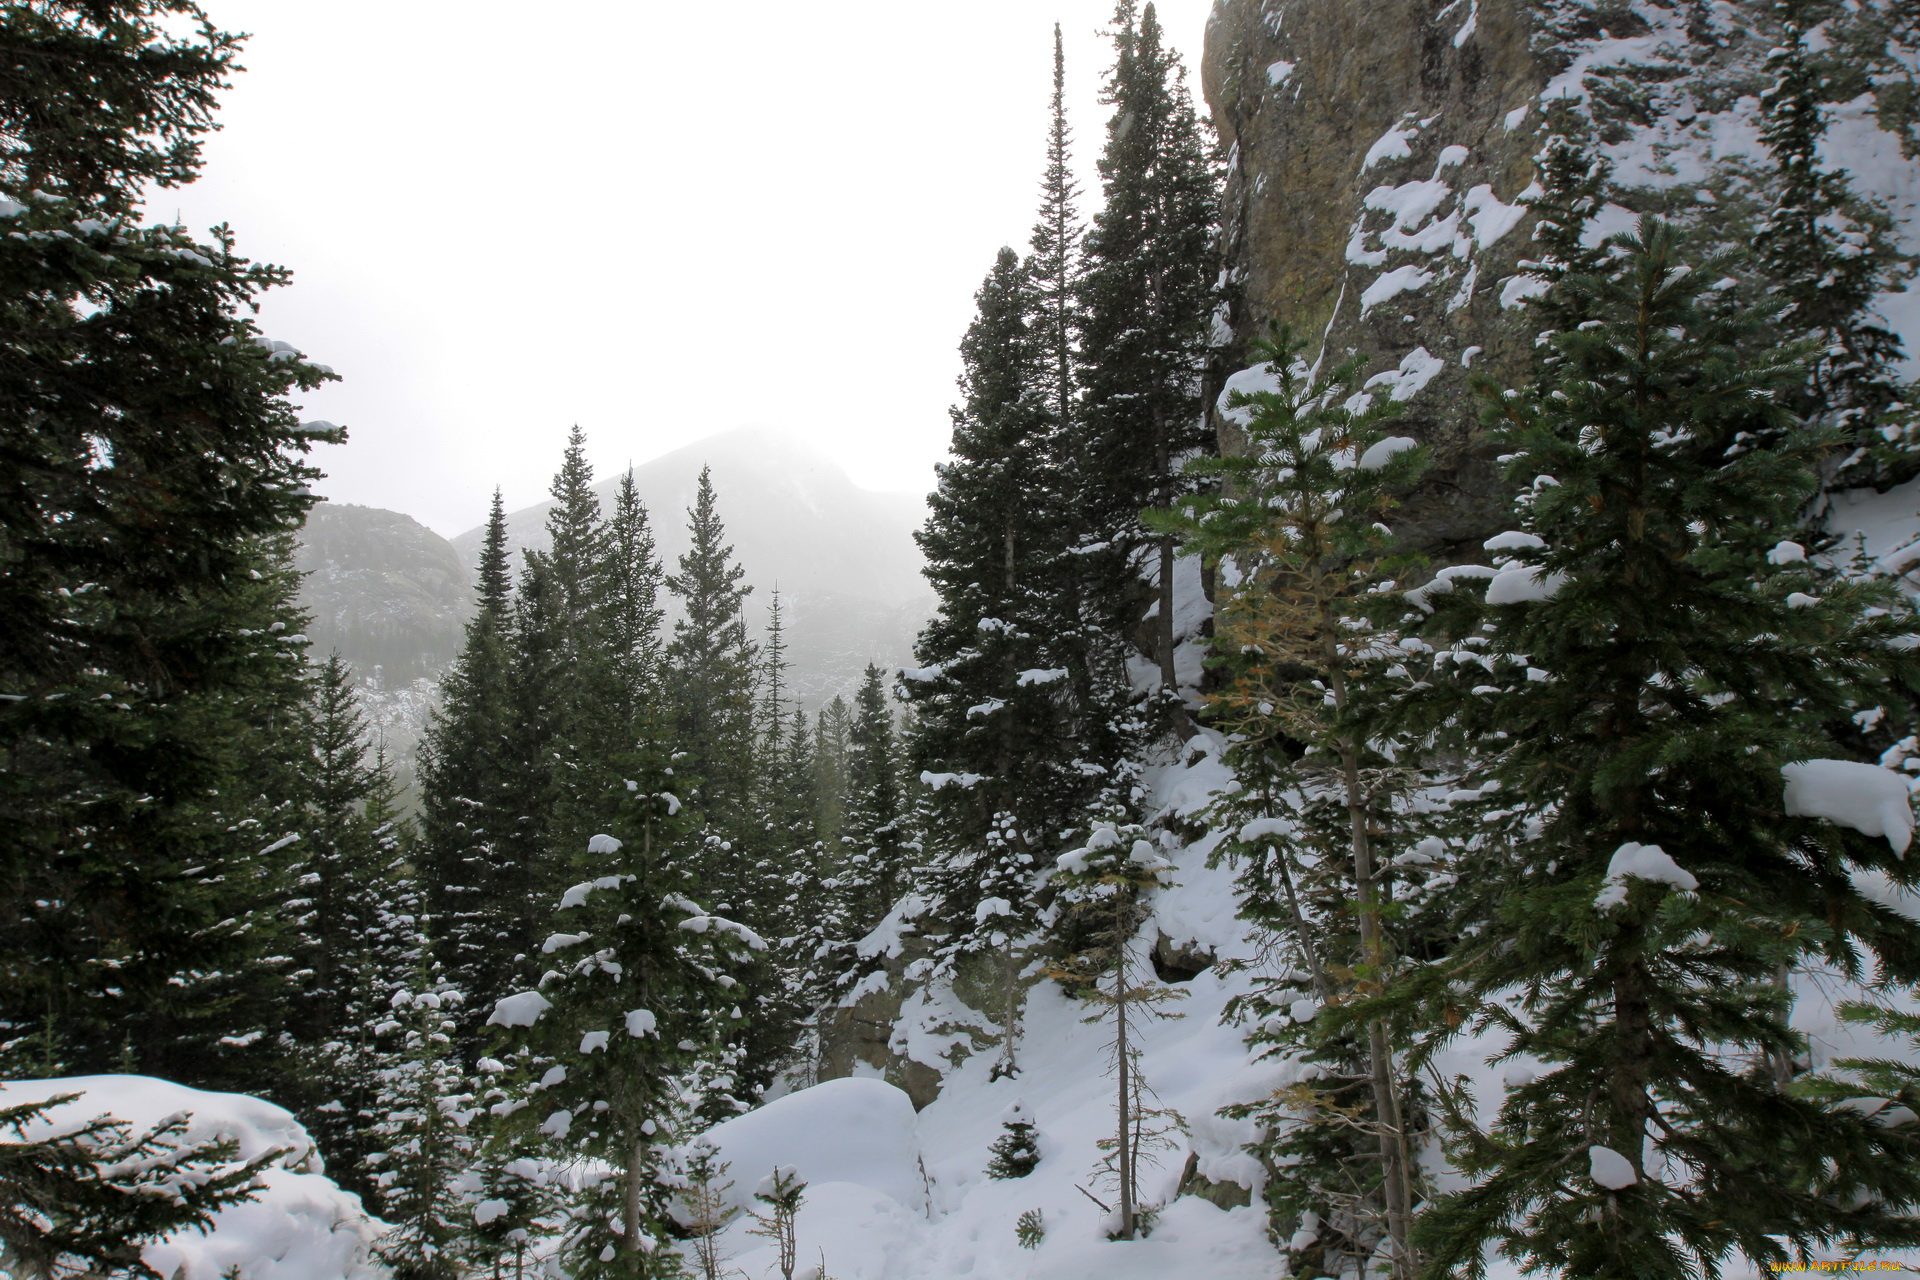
{"points": [[300, 1227]]}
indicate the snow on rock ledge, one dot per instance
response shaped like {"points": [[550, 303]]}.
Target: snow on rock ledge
{"points": [[299, 1227], [1871, 800]]}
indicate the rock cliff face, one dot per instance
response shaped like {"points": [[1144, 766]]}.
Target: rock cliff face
{"points": [[1380, 152], [1376, 154]]}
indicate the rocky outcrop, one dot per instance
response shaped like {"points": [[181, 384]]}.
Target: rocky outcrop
{"points": [[1379, 152]]}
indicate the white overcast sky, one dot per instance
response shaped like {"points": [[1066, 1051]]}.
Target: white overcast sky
{"points": [[657, 220]]}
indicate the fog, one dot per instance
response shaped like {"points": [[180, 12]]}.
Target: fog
{"points": [[656, 221]]}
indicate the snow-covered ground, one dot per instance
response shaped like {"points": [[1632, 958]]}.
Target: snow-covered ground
{"points": [[299, 1227], [895, 1196]]}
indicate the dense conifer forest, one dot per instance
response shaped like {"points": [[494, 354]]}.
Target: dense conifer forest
{"points": [[1595, 815]]}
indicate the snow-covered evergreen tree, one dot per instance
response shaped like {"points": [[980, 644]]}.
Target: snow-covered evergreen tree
{"points": [[579, 670], [465, 768], [1299, 546], [353, 920], [632, 579], [1650, 682], [514, 1205], [831, 751], [1829, 254], [148, 649], [643, 992], [344, 854], [1053, 269], [84, 1198], [871, 872], [1004, 737], [1016, 1152], [788, 899], [711, 665], [423, 1146]]}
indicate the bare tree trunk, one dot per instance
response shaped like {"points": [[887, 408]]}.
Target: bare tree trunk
{"points": [[1395, 1160], [636, 1157], [1321, 987], [1630, 1086], [1123, 1150], [1009, 1066], [1780, 1061], [1169, 680]]}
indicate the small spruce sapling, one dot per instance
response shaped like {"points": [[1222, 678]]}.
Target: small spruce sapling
{"points": [[1016, 1152], [703, 1185], [513, 1198], [423, 1149], [783, 1192], [1102, 886]]}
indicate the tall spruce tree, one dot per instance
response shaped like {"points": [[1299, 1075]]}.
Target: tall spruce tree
{"points": [[1053, 262], [465, 769], [872, 871], [1643, 681], [632, 580], [1146, 301], [344, 855], [1303, 560], [351, 1064], [868, 876], [537, 794], [998, 731], [151, 460], [787, 900], [831, 746], [347, 882], [573, 669], [712, 670]]}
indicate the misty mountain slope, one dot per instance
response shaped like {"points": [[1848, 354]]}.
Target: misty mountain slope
{"points": [[384, 590], [392, 597], [843, 557]]}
